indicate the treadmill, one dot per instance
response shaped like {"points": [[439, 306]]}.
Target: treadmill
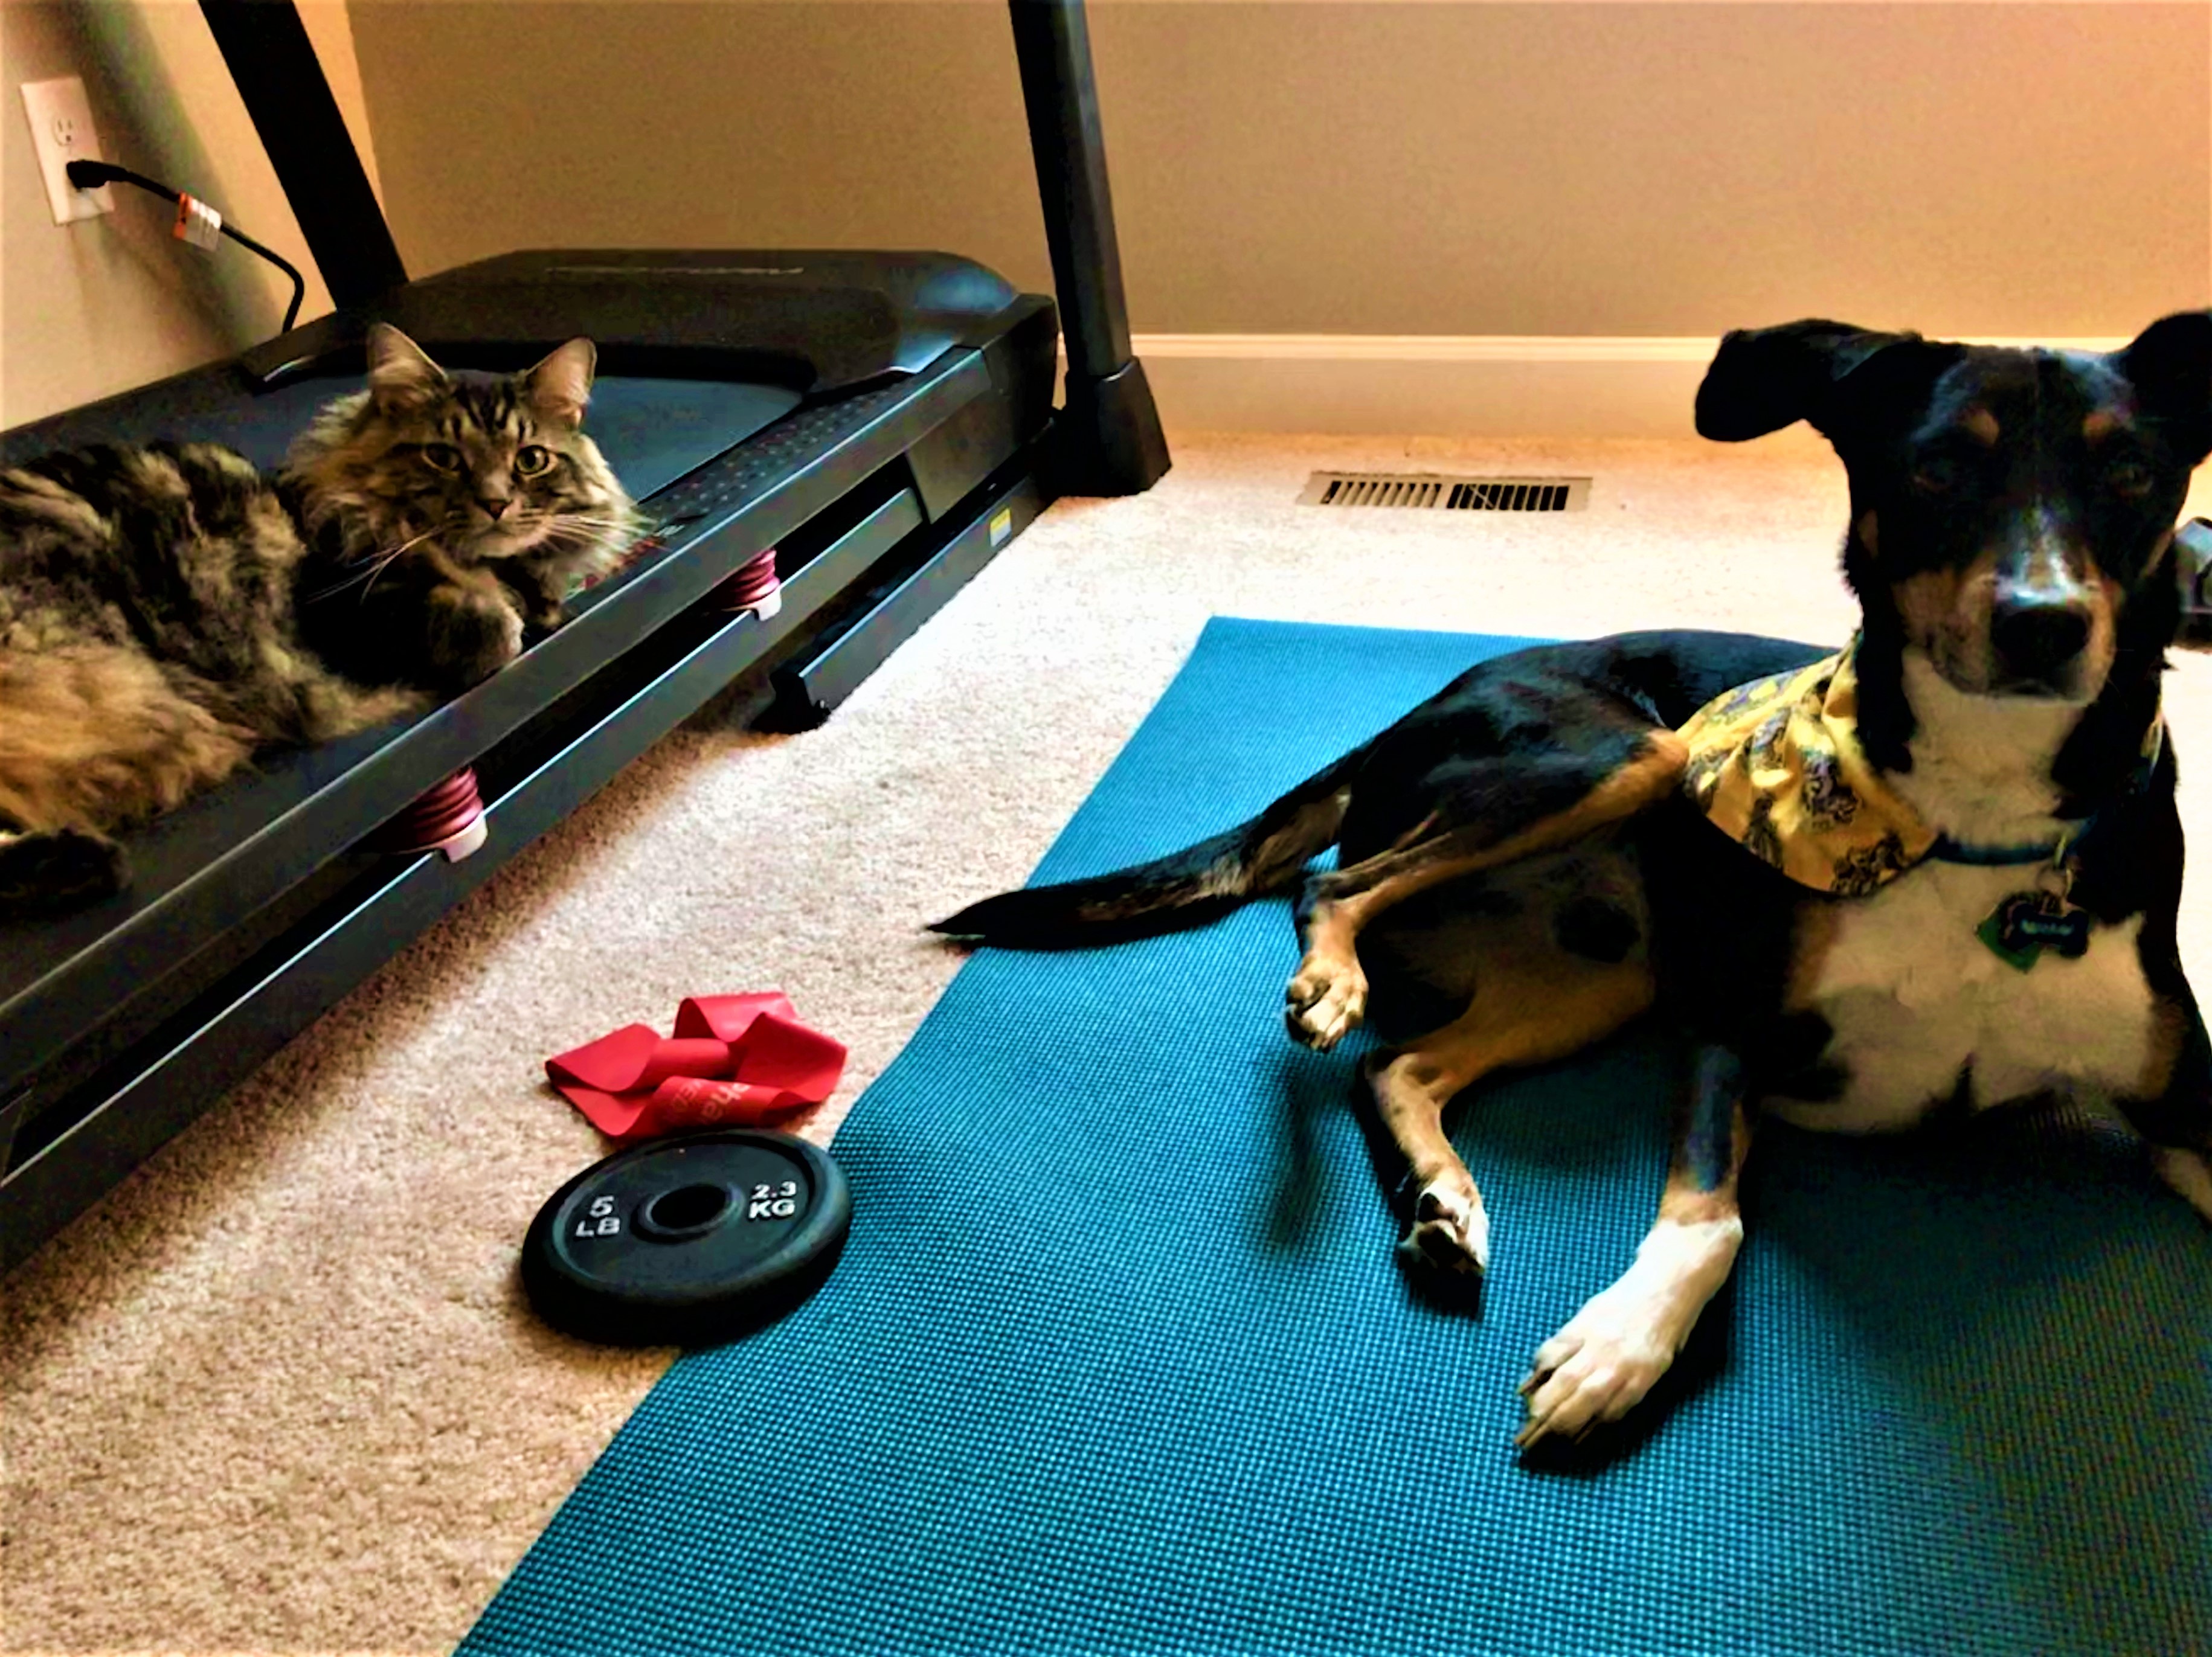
{"points": [[884, 422]]}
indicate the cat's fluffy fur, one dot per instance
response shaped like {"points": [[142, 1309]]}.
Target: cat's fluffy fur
{"points": [[163, 616]]}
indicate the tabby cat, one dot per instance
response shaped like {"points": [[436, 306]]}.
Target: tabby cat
{"points": [[167, 610]]}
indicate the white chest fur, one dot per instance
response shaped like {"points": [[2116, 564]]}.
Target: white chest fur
{"points": [[1915, 1000]]}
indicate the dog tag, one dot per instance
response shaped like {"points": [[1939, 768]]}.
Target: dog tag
{"points": [[2019, 929]]}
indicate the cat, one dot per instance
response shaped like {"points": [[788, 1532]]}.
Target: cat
{"points": [[449, 520], [168, 610]]}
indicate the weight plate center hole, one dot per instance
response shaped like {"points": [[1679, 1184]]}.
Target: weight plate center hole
{"points": [[683, 1212]]}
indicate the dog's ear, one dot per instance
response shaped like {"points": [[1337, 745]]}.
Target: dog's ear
{"points": [[1764, 378], [2170, 365]]}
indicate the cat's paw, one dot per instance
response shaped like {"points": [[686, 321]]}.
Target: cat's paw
{"points": [[473, 635], [43, 872]]}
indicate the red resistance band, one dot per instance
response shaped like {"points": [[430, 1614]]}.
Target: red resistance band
{"points": [[734, 1059]]}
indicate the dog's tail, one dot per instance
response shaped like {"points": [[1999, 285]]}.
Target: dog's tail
{"points": [[1183, 890]]}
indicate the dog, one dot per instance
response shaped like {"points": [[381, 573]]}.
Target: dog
{"points": [[1935, 873]]}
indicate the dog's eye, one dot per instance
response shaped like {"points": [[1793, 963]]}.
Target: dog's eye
{"points": [[443, 456], [2131, 478], [1937, 474], [531, 460]]}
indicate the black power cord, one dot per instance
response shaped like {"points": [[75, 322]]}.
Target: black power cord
{"points": [[90, 175]]}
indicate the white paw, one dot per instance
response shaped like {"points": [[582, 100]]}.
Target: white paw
{"points": [[1449, 1230], [1599, 1367], [1324, 1003], [2190, 1172]]}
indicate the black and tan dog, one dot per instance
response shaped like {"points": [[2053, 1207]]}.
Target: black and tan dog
{"points": [[1940, 871]]}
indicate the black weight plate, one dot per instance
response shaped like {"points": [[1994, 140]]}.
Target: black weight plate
{"points": [[688, 1241]]}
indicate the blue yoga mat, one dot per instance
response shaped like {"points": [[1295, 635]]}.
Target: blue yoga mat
{"points": [[1118, 1359]]}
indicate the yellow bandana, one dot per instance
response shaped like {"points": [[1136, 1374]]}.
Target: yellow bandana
{"points": [[1777, 764]]}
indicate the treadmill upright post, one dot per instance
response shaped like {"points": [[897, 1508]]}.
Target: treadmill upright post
{"points": [[1110, 437], [266, 48]]}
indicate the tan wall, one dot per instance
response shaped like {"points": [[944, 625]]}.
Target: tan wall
{"points": [[1331, 167], [108, 303], [1550, 168]]}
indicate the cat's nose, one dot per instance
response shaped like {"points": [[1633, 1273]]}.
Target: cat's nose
{"points": [[493, 509]]}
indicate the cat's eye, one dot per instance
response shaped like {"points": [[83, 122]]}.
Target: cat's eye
{"points": [[531, 460], [444, 456]]}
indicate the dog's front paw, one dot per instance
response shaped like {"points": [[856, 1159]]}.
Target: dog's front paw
{"points": [[1614, 1350], [1325, 1002], [1597, 1368], [2190, 1172], [1449, 1229]]}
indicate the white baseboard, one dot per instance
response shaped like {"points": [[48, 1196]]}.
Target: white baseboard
{"points": [[1414, 385]]}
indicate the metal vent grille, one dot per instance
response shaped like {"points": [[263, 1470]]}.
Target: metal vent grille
{"points": [[1429, 492]]}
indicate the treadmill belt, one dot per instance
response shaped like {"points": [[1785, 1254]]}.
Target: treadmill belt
{"points": [[654, 430]]}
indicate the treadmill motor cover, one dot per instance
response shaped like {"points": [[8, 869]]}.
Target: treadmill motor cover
{"points": [[817, 322]]}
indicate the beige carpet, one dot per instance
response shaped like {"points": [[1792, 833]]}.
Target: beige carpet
{"points": [[280, 1392]]}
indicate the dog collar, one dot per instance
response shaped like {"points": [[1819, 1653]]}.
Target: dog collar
{"points": [[1948, 850], [1777, 765]]}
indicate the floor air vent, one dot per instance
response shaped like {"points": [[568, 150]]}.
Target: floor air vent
{"points": [[1434, 494]]}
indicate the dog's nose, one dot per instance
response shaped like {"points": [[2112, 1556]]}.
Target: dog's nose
{"points": [[2035, 638]]}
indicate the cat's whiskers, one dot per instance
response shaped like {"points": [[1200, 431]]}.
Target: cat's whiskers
{"points": [[538, 528], [374, 562], [385, 560], [597, 522], [555, 515]]}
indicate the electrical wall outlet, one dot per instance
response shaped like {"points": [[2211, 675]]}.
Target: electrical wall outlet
{"points": [[62, 132]]}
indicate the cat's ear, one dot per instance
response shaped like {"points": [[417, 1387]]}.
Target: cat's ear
{"points": [[400, 377], [559, 387]]}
